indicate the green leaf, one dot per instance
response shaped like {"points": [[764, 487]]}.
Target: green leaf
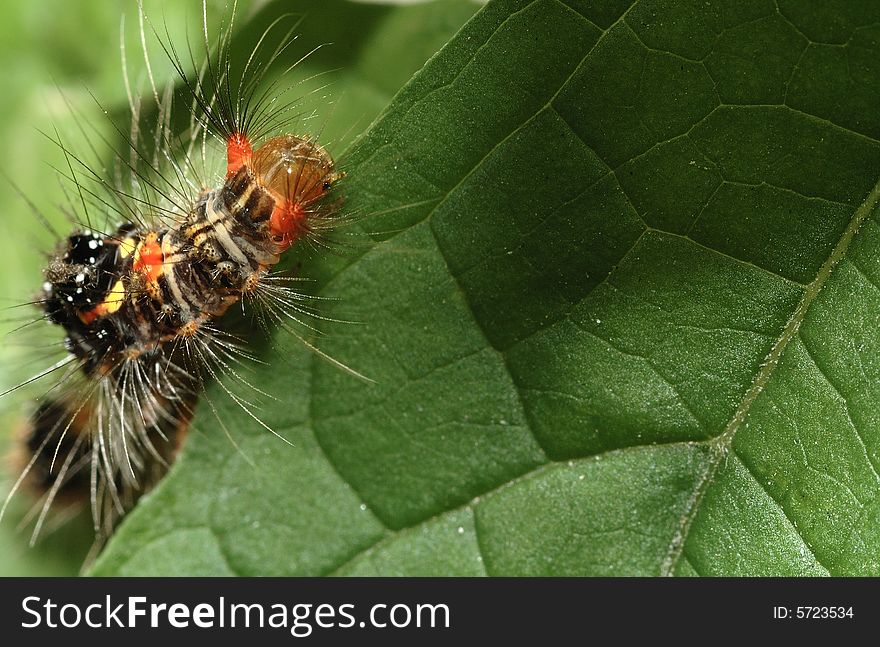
{"points": [[620, 307], [369, 52]]}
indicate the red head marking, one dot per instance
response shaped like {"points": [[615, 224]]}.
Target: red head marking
{"points": [[238, 153], [297, 173], [287, 223]]}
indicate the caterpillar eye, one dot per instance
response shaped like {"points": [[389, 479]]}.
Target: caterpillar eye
{"points": [[326, 185]]}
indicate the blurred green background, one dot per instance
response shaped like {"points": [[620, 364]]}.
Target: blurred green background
{"points": [[63, 66]]}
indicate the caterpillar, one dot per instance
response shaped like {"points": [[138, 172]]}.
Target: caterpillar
{"points": [[138, 302]]}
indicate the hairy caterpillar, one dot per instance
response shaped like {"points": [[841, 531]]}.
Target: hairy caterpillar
{"points": [[137, 301]]}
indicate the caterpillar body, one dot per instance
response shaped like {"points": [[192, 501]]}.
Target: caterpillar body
{"points": [[123, 296], [137, 303]]}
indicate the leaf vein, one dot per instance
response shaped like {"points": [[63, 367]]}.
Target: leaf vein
{"points": [[844, 400], [473, 503], [781, 509], [724, 442]]}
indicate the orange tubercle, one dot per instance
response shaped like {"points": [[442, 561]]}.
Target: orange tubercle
{"points": [[149, 258], [238, 153], [286, 223], [89, 316]]}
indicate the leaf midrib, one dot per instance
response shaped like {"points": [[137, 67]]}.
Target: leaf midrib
{"points": [[721, 444]]}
